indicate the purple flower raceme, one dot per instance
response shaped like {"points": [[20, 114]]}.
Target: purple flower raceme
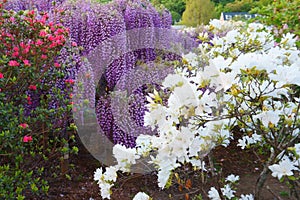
{"points": [[105, 116], [118, 36], [44, 5], [139, 22]]}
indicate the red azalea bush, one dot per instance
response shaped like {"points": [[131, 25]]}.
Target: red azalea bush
{"points": [[34, 110]]}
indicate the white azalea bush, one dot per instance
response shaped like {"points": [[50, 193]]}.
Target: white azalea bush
{"points": [[244, 80]]}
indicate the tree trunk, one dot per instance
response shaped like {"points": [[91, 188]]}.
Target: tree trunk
{"points": [[263, 176]]}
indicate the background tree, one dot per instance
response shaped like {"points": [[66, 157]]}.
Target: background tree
{"points": [[176, 7], [239, 6], [198, 12]]}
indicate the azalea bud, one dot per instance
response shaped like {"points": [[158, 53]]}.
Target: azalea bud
{"points": [[24, 125]]}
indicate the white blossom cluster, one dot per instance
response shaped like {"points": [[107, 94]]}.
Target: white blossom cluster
{"points": [[288, 164], [228, 192], [125, 158], [245, 72], [215, 26]]}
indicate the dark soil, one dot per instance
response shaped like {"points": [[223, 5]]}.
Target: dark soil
{"points": [[230, 160]]}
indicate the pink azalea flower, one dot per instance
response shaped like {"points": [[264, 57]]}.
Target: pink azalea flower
{"points": [[43, 56], [26, 50], [57, 65], [29, 100], [22, 45], [39, 42], [32, 87], [43, 33], [1, 75], [51, 38], [59, 31], [31, 12], [26, 62], [15, 54], [27, 138], [43, 21], [13, 63]]}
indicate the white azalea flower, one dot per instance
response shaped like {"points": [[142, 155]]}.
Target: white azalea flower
{"points": [[227, 80], [155, 116], [198, 164], [232, 35], [247, 197], [125, 157], [297, 148], [143, 144], [286, 75], [232, 178], [163, 177], [213, 194], [227, 191], [225, 136], [195, 146], [98, 174], [270, 116], [172, 80], [242, 143], [110, 173], [289, 40], [284, 168], [256, 138], [105, 189], [141, 196], [191, 58]]}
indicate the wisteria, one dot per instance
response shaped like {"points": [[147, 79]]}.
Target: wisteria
{"points": [[45, 5]]}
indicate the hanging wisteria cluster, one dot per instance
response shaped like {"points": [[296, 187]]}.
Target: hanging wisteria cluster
{"points": [[45, 5], [115, 37]]}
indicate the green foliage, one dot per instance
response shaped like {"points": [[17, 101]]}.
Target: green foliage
{"points": [[198, 12], [283, 15], [198, 197]]}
